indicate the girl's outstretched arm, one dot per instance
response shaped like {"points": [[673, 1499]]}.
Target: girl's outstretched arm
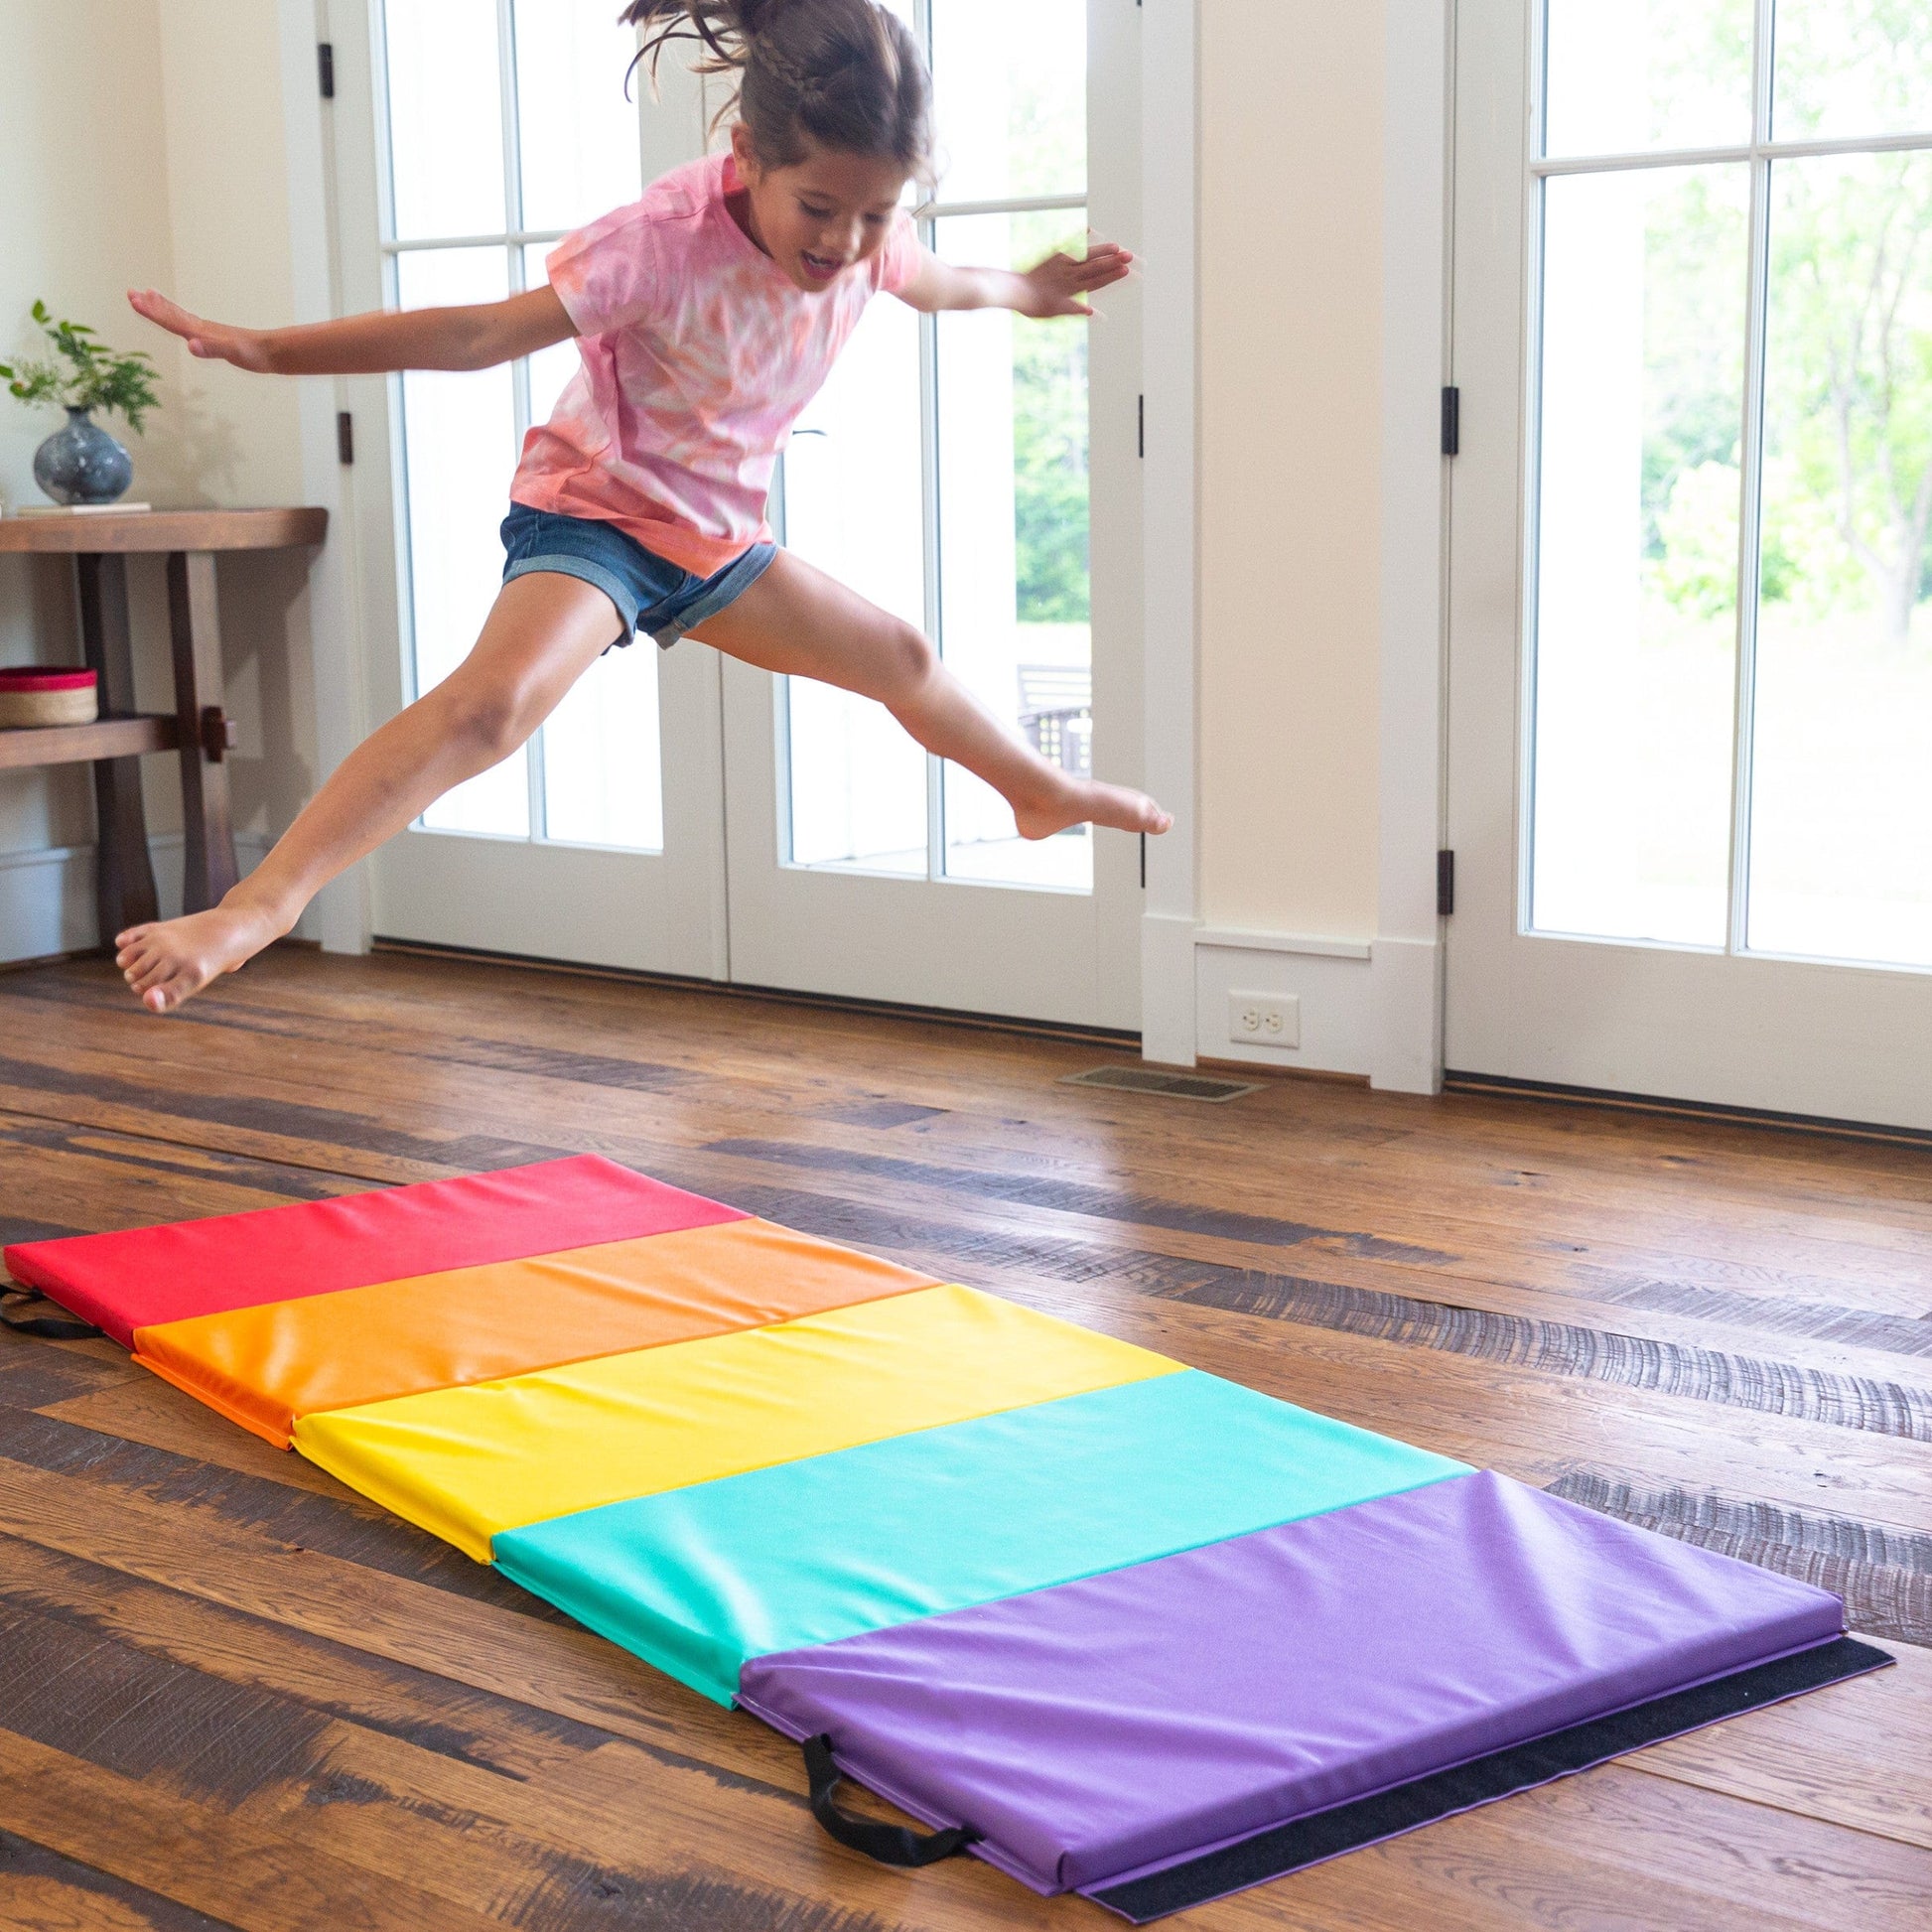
{"points": [[1058, 285], [472, 338]]}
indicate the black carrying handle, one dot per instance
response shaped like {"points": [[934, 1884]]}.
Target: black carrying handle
{"points": [[889, 1844], [50, 1327]]}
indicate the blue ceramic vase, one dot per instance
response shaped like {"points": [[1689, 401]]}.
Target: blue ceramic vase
{"points": [[82, 464]]}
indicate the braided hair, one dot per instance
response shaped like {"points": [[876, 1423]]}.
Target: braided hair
{"points": [[844, 74]]}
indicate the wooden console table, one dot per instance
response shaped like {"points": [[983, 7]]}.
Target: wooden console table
{"points": [[199, 728]]}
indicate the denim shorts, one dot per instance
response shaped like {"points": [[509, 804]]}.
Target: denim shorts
{"points": [[652, 593]]}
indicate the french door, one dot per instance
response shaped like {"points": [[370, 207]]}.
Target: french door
{"points": [[945, 472], [1691, 570], [470, 135], [683, 814]]}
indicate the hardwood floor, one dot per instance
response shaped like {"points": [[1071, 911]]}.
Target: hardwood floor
{"points": [[232, 1693]]}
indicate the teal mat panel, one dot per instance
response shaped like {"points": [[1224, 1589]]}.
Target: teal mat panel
{"points": [[698, 1581]]}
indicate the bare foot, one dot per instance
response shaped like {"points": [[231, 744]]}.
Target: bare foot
{"points": [[1083, 801], [172, 960]]}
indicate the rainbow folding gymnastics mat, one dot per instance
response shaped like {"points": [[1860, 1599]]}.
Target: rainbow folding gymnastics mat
{"points": [[1112, 1625]]}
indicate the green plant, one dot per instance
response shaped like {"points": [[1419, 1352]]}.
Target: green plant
{"points": [[99, 378]]}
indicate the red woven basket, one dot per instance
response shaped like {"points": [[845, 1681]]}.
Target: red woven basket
{"points": [[40, 697]]}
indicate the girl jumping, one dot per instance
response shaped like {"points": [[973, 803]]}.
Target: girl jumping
{"points": [[706, 316]]}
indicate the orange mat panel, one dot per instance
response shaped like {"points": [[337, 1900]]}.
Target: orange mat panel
{"points": [[265, 1366]]}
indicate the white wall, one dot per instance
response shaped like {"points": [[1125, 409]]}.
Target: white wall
{"points": [[1315, 339], [1290, 341], [142, 142]]}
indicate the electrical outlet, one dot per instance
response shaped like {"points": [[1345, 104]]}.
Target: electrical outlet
{"points": [[1265, 1018]]}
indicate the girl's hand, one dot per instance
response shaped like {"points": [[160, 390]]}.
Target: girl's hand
{"points": [[215, 342], [1059, 285]]}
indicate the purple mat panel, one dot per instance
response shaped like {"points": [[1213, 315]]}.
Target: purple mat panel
{"points": [[1101, 1731]]}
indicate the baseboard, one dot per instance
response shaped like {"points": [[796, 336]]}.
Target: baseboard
{"points": [[1104, 1039], [47, 897], [1369, 1009], [1167, 1023], [1648, 1103]]}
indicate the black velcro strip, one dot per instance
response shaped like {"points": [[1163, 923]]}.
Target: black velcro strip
{"points": [[1308, 1841]]}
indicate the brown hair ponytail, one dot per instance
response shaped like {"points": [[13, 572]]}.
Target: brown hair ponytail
{"points": [[843, 74]]}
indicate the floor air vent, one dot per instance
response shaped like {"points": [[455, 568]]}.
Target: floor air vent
{"points": [[1151, 1080]]}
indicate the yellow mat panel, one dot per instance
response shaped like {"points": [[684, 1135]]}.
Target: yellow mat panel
{"points": [[264, 1366], [467, 1462]]}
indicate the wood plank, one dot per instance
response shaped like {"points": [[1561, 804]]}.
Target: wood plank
{"points": [[46, 1892], [1694, 1859], [29, 745], [254, 1652], [36, 1373], [201, 1552], [530, 1859], [103, 533], [157, 1415], [79, 1180], [204, 1855], [1883, 1575], [284, 1514], [1815, 1757]]}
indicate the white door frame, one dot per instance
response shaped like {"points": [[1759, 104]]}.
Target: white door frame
{"points": [[340, 917], [662, 913], [1371, 1002]]}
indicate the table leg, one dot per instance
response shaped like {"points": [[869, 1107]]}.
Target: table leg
{"points": [[195, 628], [123, 875]]}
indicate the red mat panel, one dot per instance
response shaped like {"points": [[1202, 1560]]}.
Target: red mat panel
{"points": [[124, 1282]]}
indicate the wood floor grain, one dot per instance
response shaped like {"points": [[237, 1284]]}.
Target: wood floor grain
{"points": [[232, 1694]]}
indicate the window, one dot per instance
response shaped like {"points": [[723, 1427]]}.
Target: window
{"points": [[942, 473], [1732, 494], [507, 125]]}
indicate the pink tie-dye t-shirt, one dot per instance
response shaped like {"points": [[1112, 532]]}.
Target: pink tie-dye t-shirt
{"points": [[698, 354]]}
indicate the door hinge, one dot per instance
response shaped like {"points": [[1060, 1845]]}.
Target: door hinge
{"points": [[1444, 883], [345, 436], [1141, 425], [1451, 422], [325, 68]]}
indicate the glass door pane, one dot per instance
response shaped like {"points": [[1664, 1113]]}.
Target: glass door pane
{"points": [[603, 753], [458, 434], [1015, 621], [853, 506], [1638, 498], [573, 152], [446, 118], [954, 494], [601, 756], [1009, 96], [1643, 75], [552, 368], [578, 148], [1842, 788], [1852, 67]]}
